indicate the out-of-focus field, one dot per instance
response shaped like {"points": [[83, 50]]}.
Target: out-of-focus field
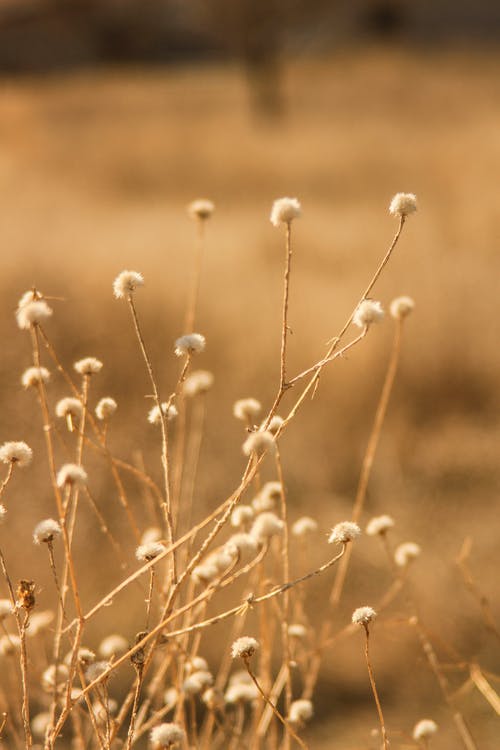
{"points": [[95, 173]]}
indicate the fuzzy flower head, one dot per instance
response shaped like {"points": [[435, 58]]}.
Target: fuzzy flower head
{"points": [[405, 553], [201, 209], [46, 531], [39, 724], [258, 442], [379, 525], [244, 647], [267, 498], [241, 545], [344, 532], [189, 344], [424, 729], [33, 376], [154, 414], [363, 616], [70, 409], [6, 609], [274, 425], [166, 735], [246, 409], [304, 526], [300, 711], [367, 312], [199, 381], [33, 313], [126, 283], [71, 474], [241, 692], [285, 210], [16, 452], [401, 307], [265, 526], [241, 516], [403, 204], [88, 366], [150, 550], [106, 408], [297, 630], [113, 646]]}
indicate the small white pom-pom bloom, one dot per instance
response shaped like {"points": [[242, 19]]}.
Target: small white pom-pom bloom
{"points": [[3, 513], [244, 647], [199, 381], [270, 494], [150, 550], [304, 525], [88, 366], [113, 646], [258, 442], [379, 525], [167, 735], [344, 532], [300, 711], [401, 307], [9, 645], [191, 343], [34, 376], [39, 622], [197, 682], [16, 452], [51, 676], [39, 724], [71, 474], [30, 296], [196, 664], [106, 408], [296, 630], [69, 407], [205, 573], [265, 526], [405, 553], [241, 692], [45, 531], [403, 204], [367, 312], [127, 282], [246, 409], [284, 211], [213, 699], [154, 415], [244, 545], [152, 534], [241, 516], [96, 670], [6, 608], [201, 209], [33, 313], [424, 729], [363, 615]]}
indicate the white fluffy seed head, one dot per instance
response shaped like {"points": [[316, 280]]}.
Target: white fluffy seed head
{"points": [[39, 723], [71, 474], [152, 534], [32, 313], [196, 664], [85, 657], [405, 553], [39, 622], [201, 209], [245, 545], [285, 210], [6, 608], [205, 572], [300, 711], [126, 283], [244, 647], [88, 366], [46, 531], [106, 408], [344, 532], [197, 682], [33, 376], [149, 551], [303, 526], [16, 452], [363, 615], [246, 409], [3, 513], [167, 735], [265, 526], [154, 414], [95, 670], [367, 312], [241, 516], [69, 406], [191, 343], [403, 204], [424, 729], [9, 645], [296, 630], [241, 693], [379, 525], [52, 676], [274, 425], [401, 307], [259, 442], [30, 296], [113, 646], [199, 381], [213, 699]]}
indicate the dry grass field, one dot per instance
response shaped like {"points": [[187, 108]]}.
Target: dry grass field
{"points": [[95, 174]]}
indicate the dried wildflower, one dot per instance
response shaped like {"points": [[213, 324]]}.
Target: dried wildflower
{"points": [[269, 495], [241, 693], [6, 609], [258, 442], [39, 724], [244, 647], [296, 630], [30, 296], [199, 381], [148, 552], [170, 697], [32, 314], [403, 204], [71, 474], [304, 525], [285, 210], [113, 646], [106, 408], [51, 676], [274, 425], [167, 735], [240, 677], [40, 621], [241, 516], [88, 366], [265, 526], [201, 209], [241, 545], [363, 616], [197, 682], [367, 312], [213, 699], [344, 532], [246, 409], [401, 307], [205, 573], [196, 664], [126, 283], [138, 657], [96, 670], [45, 531], [169, 411], [85, 657], [191, 343], [25, 594], [300, 711], [33, 376], [424, 729], [405, 553], [16, 453], [9, 644], [70, 409], [379, 525], [152, 534]]}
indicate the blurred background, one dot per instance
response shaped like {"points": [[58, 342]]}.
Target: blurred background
{"points": [[114, 115]]}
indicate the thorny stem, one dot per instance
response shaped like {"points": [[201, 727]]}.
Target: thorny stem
{"points": [[385, 741]]}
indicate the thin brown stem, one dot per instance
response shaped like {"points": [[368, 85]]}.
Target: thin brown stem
{"points": [[385, 741]]}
